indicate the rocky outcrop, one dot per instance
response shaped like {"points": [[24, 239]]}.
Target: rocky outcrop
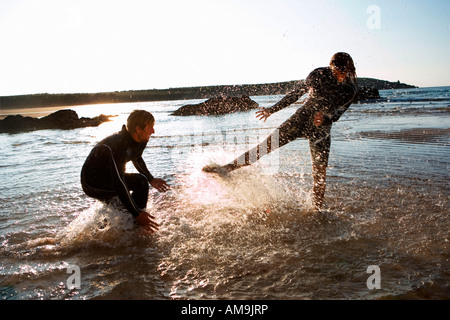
{"points": [[62, 120], [217, 106], [366, 93]]}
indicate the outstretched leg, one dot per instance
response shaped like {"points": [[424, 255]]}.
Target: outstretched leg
{"points": [[287, 132]]}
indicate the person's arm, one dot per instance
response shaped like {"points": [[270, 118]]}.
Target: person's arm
{"points": [[287, 100], [323, 119], [340, 111], [120, 187], [140, 165], [158, 184]]}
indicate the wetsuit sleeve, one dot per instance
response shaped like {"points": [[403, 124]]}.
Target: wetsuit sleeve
{"points": [[120, 187], [339, 112], [350, 93], [289, 99], [140, 165]]}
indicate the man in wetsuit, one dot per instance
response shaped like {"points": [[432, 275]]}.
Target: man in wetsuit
{"points": [[103, 174], [331, 91]]}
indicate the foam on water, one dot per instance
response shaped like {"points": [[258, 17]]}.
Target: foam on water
{"points": [[104, 224], [218, 227]]}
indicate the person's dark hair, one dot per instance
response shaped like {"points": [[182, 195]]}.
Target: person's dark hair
{"points": [[139, 118], [344, 62]]}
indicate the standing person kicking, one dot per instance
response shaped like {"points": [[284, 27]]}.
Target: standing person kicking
{"points": [[331, 91]]}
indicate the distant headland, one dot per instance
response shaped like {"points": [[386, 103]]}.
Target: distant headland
{"points": [[73, 99]]}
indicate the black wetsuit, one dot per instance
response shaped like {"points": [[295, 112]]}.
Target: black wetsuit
{"points": [[326, 95], [103, 174]]}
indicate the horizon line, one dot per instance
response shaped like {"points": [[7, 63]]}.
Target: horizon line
{"points": [[202, 86]]}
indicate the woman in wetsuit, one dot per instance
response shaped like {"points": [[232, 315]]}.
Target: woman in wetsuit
{"points": [[331, 91]]}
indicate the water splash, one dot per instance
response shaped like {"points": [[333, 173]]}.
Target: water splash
{"points": [[99, 226], [242, 221], [105, 224]]}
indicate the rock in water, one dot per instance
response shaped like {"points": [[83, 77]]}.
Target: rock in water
{"points": [[217, 106], [366, 93], [61, 120]]}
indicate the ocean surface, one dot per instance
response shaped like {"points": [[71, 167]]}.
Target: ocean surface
{"points": [[383, 234]]}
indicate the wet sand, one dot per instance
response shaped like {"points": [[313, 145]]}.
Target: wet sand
{"points": [[30, 112]]}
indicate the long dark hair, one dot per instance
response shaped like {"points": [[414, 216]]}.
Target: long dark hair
{"points": [[344, 62]]}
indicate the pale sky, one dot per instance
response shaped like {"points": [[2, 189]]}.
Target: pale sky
{"points": [[59, 46]]}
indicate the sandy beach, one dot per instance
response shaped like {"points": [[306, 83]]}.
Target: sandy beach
{"points": [[31, 112]]}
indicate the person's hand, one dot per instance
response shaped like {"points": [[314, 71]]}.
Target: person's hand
{"points": [[318, 119], [160, 185], [263, 114], [147, 221]]}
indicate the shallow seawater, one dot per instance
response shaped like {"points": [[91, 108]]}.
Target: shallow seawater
{"points": [[248, 235]]}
